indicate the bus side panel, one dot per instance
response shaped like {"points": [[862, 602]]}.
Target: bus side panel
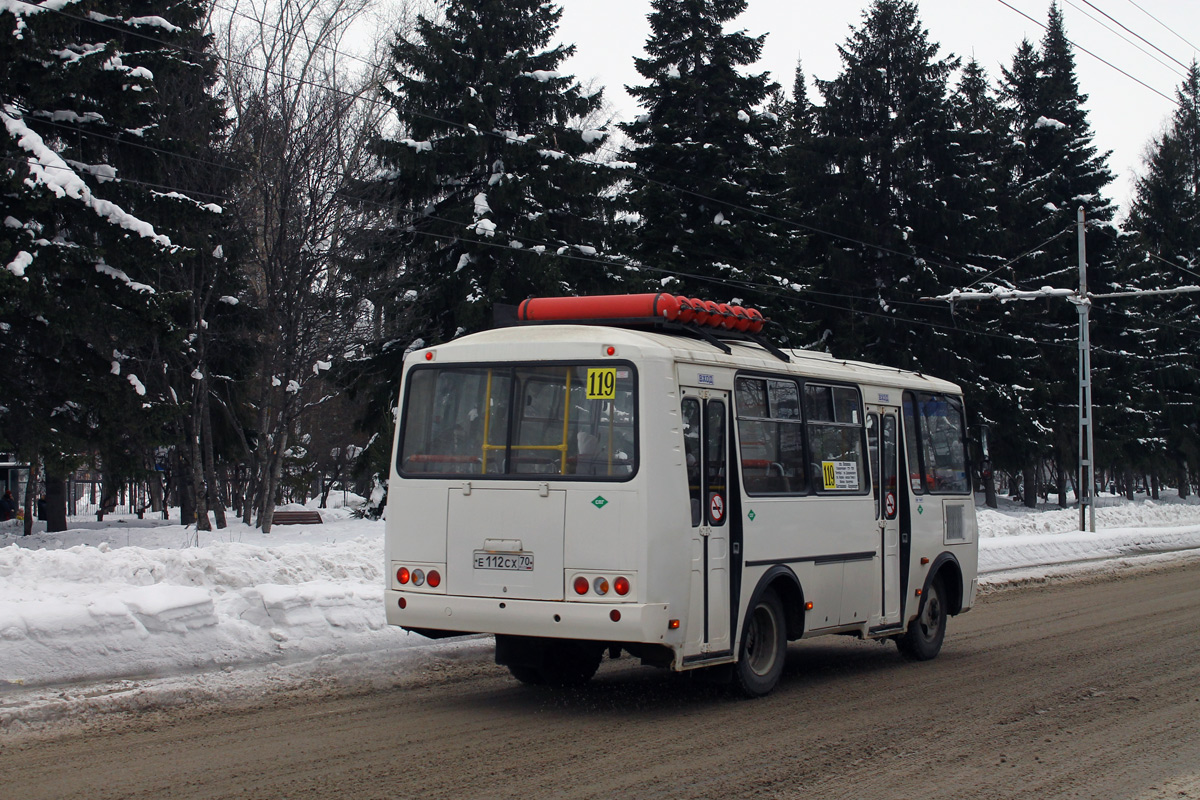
{"points": [[815, 535], [665, 525]]}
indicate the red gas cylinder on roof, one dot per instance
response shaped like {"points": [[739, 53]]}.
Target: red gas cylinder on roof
{"points": [[600, 307], [642, 307]]}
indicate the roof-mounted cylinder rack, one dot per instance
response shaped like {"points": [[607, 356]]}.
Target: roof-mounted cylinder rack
{"points": [[655, 307]]}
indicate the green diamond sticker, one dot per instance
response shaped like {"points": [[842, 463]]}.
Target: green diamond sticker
{"points": [[599, 502], [751, 515], [920, 509]]}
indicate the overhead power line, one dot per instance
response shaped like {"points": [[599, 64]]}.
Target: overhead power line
{"points": [[1104, 61], [1134, 33], [1169, 29], [1125, 38]]}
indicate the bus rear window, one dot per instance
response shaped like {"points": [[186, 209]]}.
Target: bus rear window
{"points": [[571, 420]]}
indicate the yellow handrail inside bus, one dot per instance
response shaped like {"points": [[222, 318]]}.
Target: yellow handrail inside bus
{"points": [[562, 470], [487, 418], [561, 448], [612, 424]]}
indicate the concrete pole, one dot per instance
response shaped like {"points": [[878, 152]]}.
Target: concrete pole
{"points": [[1087, 471]]}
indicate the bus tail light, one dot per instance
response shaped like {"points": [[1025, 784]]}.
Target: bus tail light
{"points": [[614, 615], [412, 577], [592, 586]]}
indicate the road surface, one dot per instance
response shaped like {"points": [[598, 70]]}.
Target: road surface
{"points": [[1084, 688]]}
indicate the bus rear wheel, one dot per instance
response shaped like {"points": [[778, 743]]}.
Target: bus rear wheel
{"points": [[571, 663], [763, 648], [554, 662], [923, 639], [528, 675]]}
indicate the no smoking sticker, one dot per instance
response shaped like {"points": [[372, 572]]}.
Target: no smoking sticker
{"points": [[716, 508], [889, 505]]}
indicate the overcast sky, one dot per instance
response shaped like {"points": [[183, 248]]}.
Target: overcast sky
{"points": [[1124, 114]]}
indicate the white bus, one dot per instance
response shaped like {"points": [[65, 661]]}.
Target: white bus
{"points": [[674, 490]]}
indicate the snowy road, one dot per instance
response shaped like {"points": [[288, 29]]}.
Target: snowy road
{"points": [[1088, 686]]}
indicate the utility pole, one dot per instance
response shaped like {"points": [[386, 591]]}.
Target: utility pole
{"points": [[1087, 471], [1082, 300]]}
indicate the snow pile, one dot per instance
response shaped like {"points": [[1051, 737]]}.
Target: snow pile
{"points": [[1015, 538], [130, 597]]}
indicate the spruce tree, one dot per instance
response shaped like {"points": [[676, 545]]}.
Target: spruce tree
{"points": [[983, 146], [1162, 252], [97, 219], [886, 126], [1055, 170], [707, 190], [805, 166], [492, 180]]}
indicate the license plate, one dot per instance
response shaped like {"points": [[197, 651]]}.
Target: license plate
{"points": [[518, 562]]}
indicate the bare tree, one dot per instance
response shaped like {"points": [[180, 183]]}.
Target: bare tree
{"points": [[304, 117]]}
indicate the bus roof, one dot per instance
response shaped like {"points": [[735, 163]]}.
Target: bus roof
{"points": [[562, 342]]}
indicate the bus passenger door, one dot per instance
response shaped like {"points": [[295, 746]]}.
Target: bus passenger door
{"points": [[882, 434], [706, 437]]}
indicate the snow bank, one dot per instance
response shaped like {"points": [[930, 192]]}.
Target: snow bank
{"points": [[126, 597], [129, 598]]}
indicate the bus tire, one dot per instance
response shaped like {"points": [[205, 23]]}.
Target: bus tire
{"points": [[570, 663], [923, 639], [763, 648], [531, 676]]}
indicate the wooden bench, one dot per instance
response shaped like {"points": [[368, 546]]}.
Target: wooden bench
{"points": [[296, 518]]}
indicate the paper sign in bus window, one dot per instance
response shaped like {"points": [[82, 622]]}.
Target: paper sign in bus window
{"points": [[840, 475], [601, 384]]}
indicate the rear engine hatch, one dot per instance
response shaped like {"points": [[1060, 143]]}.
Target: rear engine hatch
{"points": [[505, 543]]}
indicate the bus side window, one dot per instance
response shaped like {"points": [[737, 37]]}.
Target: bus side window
{"points": [[873, 454], [770, 435], [912, 447], [941, 448], [836, 439], [714, 457], [690, 408]]}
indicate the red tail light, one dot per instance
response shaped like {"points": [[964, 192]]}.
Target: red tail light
{"points": [[581, 585], [402, 575], [621, 585], [434, 579]]}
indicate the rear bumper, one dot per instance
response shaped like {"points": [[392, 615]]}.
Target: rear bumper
{"points": [[553, 619]]}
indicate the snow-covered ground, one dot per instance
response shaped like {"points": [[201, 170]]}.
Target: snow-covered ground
{"points": [[136, 604]]}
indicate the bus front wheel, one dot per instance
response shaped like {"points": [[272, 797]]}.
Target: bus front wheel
{"points": [[763, 648], [923, 639]]}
